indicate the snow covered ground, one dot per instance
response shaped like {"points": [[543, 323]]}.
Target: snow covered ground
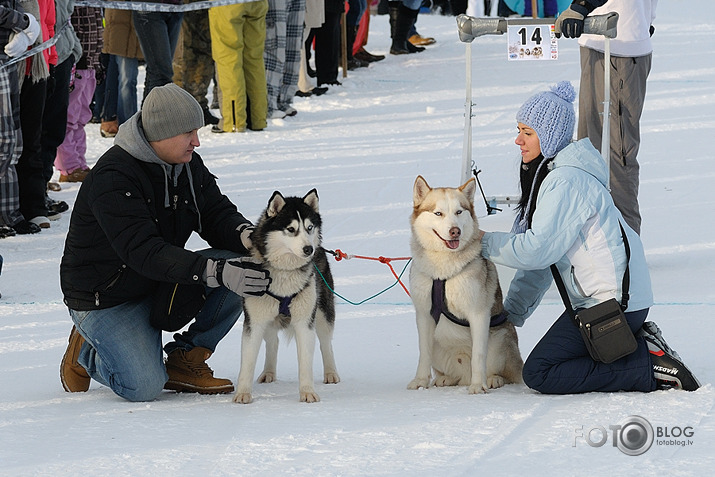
{"points": [[362, 145]]}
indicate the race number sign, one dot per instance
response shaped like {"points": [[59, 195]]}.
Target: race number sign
{"points": [[532, 42]]}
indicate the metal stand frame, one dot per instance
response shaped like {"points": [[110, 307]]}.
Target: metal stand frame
{"points": [[470, 28]]}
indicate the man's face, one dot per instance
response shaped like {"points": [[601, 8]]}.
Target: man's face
{"points": [[177, 149]]}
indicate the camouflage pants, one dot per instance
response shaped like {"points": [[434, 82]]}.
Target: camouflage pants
{"points": [[193, 63]]}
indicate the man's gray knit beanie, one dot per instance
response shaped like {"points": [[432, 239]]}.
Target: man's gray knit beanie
{"points": [[169, 111]]}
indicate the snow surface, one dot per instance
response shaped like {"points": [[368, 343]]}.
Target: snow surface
{"points": [[362, 145]]}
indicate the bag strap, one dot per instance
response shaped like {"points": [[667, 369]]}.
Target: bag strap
{"points": [[624, 286], [562, 291]]}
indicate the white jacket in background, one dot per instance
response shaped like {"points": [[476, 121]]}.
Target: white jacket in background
{"points": [[634, 20]]}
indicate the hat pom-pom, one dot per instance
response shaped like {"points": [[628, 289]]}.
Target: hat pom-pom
{"points": [[565, 91]]}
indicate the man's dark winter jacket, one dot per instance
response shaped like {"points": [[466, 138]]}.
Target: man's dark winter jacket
{"points": [[132, 217]]}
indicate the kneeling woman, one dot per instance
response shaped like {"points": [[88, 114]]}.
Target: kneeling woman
{"points": [[566, 217]]}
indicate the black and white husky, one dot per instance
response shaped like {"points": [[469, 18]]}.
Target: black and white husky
{"points": [[288, 240]]}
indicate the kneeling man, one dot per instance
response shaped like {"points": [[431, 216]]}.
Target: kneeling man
{"points": [[133, 215]]}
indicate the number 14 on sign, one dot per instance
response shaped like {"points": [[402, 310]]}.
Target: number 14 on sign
{"points": [[532, 42]]}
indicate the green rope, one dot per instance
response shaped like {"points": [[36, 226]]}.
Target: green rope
{"points": [[366, 299]]}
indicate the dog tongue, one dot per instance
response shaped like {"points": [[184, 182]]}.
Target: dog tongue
{"points": [[452, 243]]}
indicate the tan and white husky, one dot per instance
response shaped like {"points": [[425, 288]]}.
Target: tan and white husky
{"points": [[456, 295]]}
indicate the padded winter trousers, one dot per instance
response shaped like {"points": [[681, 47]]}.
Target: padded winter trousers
{"points": [[10, 146], [560, 363], [71, 153], [238, 34], [628, 88], [284, 40]]}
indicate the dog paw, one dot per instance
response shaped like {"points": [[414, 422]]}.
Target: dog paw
{"points": [[309, 396], [418, 383], [331, 378], [267, 377], [444, 380], [242, 398], [441, 381], [495, 381], [478, 388]]}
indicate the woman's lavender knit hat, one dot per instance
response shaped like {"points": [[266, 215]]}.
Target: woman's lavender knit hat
{"points": [[551, 114]]}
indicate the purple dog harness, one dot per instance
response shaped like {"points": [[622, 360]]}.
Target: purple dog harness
{"points": [[439, 307]]}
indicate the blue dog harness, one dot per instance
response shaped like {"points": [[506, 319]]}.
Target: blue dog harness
{"points": [[285, 301], [439, 307]]}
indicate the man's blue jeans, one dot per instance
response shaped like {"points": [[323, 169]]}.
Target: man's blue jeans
{"points": [[128, 69], [117, 97], [158, 33], [123, 351]]}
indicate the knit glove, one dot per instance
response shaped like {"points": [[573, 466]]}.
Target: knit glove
{"points": [[570, 22], [245, 231], [21, 40], [243, 276]]}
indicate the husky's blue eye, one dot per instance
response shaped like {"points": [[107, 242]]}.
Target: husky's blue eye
{"points": [[309, 228], [438, 214], [459, 212]]}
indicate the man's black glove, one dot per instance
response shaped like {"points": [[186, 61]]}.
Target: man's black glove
{"points": [[243, 276], [570, 22], [100, 72], [245, 231]]}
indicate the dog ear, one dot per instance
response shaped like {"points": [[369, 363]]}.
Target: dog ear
{"points": [[420, 190], [275, 205], [311, 199], [469, 188]]}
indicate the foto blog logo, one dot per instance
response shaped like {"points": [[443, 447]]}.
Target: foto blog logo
{"points": [[634, 435]]}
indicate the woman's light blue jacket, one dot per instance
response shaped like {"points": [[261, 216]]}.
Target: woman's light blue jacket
{"points": [[576, 227]]}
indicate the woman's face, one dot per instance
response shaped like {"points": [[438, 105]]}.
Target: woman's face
{"points": [[528, 142]]}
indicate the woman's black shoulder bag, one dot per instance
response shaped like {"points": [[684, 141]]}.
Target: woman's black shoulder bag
{"points": [[603, 327]]}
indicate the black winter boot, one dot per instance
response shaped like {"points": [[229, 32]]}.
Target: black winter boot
{"points": [[353, 63], [404, 19], [393, 11]]}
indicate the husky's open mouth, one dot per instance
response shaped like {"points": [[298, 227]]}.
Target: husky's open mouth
{"points": [[451, 244]]}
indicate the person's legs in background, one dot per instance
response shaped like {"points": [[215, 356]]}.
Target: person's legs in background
{"points": [[158, 33], [127, 101]]}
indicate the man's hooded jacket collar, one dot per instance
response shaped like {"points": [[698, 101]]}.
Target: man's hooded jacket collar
{"points": [[132, 139]]}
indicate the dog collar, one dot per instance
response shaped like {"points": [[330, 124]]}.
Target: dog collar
{"points": [[439, 307]]}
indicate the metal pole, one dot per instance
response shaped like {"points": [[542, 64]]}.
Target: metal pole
{"points": [[467, 144], [606, 134]]}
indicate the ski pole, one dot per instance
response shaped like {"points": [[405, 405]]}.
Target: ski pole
{"points": [[606, 134]]}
